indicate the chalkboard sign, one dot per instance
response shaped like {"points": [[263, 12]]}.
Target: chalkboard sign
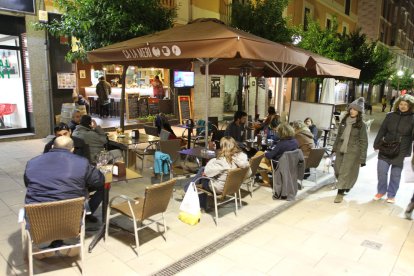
{"points": [[184, 106], [132, 106], [153, 107], [143, 107]]}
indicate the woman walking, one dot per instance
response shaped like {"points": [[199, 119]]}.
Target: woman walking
{"points": [[396, 127], [351, 147]]}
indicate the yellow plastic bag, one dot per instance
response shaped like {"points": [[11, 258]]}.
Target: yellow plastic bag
{"points": [[189, 218], [190, 207]]}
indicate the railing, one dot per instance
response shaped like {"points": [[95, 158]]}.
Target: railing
{"points": [[169, 3]]}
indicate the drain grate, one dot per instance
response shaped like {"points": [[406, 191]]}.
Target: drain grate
{"points": [[202, 253], [371, 244]]}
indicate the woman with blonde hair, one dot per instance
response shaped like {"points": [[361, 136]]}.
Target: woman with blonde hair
{"points": [[230, 156], [304, 137]]}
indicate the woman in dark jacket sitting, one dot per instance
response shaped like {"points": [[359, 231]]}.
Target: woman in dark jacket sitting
{"points": [[312, 127], [287, 142], [397, 126]]}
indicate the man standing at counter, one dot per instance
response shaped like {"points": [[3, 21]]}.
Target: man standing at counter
{"points": [[103, 90]]}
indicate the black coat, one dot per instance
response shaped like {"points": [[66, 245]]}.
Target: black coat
{"points": [[397, 125], [81, 148]]}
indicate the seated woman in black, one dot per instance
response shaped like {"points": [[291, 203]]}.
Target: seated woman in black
{"points": [[287, 142], [161, 122], [309, 122]]}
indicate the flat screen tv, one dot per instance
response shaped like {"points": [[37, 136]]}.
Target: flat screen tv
{"points": [[26, 6], [183, 79]]}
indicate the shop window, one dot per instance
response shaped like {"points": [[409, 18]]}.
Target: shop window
{"points": [[13, 113]]}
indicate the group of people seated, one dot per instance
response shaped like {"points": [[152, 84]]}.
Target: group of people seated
{"points": [[234, 153], [66, 169]]}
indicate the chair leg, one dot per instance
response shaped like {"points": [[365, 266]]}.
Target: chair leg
{"points": [[82, 253], [235, 201], [165, 226], [30, 257], [108, 213], [136, 236], [240, 199], [215, 209]]}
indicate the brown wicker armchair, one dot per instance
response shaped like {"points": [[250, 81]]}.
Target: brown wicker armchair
{"points": [[231, 189], [49, 221], [139, 209]]}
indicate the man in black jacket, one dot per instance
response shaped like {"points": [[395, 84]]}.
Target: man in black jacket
{"points": [[59, 174], [62, 129]]}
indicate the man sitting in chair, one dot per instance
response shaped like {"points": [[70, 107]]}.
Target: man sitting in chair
{"points": [[59, 174]]}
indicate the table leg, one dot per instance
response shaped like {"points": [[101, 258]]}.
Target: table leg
{"points": [[101, 231], [190, 131]]}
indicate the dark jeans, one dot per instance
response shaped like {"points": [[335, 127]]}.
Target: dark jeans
{"points": [[96, 198], [104, 110], [204, 184]]}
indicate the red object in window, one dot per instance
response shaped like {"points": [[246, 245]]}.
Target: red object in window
{"points": [[7, 109]]}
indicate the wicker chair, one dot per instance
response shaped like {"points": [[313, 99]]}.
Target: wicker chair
{"points": [[139, 209], [49, 221], [254, 166], [172, 148], [313, 160], [148, 149], [234, 180]]}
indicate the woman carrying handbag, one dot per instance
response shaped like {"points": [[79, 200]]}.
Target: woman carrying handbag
{"points": [[394, 141], [351, 147]]}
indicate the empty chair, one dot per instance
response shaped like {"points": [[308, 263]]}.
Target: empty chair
{"points": [[164, 135], [172, 147], [49, 221], [368, 124], [147, 149], [254, 166], [231, 189], [140, 209], [151, 130], [313, 160]]}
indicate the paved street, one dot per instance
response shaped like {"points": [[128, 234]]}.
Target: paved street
{"points": [[312, 236]]}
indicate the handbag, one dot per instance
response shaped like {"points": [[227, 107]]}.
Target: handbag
{"points": [[389, 149], [190, 207]]}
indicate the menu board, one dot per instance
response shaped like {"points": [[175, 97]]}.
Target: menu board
{"points": [[184, 106], [153, 107], [143, 106], [132, 110], [66, 80]]}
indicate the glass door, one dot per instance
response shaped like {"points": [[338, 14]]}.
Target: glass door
{"points": [[13, 111]]}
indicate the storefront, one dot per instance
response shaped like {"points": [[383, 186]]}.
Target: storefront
{"points": [[15, 89]]}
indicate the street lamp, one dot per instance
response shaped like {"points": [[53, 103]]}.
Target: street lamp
{"points": [[399, 75]]}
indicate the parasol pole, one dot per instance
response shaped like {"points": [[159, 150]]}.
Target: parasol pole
{"points": [[123, 77], [206, 62]]}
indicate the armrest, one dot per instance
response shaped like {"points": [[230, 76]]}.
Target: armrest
{"points": [[125, 198]]}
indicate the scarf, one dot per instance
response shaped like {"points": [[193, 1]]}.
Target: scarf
{"points": [[345, 135]]}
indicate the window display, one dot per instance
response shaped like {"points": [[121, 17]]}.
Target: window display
{"points": [[12, 95]]}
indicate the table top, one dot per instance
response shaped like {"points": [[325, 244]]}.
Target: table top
{"points": [[127, 140], [197, 152], [130, 175], [189, 127]]}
